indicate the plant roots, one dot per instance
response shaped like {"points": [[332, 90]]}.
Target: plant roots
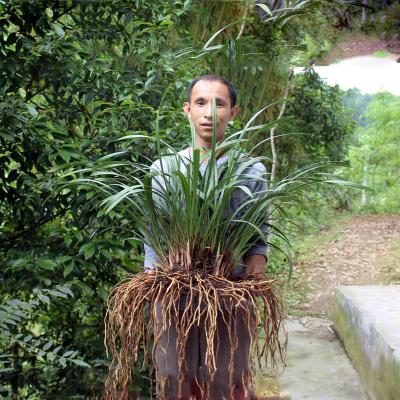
{"points": [[188, 296]]}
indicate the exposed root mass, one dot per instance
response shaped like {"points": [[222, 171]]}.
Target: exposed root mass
{"points": [[187, 296]]}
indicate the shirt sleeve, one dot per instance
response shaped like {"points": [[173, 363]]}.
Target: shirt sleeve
{"points": [[150, 256], [258, 187]]}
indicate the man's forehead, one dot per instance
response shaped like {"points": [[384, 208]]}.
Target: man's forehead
{"points": [[204, 87]]}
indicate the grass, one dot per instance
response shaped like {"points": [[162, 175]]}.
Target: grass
{"points": [[381, 54], [307, 243], [310, 234]]}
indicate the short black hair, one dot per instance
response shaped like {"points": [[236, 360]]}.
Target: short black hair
{"points": [[231, 88]]}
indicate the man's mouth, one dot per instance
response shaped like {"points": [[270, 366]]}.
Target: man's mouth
{"points": [[207, 125]]}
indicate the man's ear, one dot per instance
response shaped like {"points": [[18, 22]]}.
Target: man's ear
{"points": [[186, 108], [234, 112]]}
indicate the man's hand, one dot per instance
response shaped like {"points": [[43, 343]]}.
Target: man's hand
{"points": [[255, 264], [150, 271]]}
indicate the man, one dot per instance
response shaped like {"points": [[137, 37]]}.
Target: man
{"points": [[195, 378]]}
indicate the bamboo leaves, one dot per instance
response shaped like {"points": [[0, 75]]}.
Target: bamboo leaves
{"points": [[281, 14]]}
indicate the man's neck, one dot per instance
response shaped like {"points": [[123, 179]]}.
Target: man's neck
{"points": [[205, 146], [205, 150]]}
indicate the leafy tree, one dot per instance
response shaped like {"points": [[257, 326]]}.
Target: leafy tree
{"points": [[75, 77], [319, 128], [375, 158], [357, 103]]}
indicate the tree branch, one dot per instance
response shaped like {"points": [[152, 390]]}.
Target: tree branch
{"points": [[246, 11], [31, 228], [272, 132], [66, 11]]}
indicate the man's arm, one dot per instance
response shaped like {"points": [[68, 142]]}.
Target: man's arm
{"points": [[149, 254], [256, 257], [149, 258]]}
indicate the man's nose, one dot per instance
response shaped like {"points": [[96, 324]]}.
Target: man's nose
{"points": [[208, 110]]}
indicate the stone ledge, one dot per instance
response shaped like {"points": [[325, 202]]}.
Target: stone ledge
{"points": [[367, 320]]}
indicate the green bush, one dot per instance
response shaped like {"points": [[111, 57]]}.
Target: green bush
{"points": [[375, 158]]}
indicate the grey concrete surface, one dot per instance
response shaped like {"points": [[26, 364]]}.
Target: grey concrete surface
{"points": [[367, 319], [317, 367]]}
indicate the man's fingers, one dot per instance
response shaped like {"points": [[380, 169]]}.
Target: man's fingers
{"points": [[150, 271]]}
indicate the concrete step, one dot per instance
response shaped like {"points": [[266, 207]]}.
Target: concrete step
{"points": [[317, 367], [367, 319]]}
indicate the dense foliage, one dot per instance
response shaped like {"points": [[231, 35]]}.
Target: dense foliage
{"points": [[311, 136], [356, 103], [75, 77], [375, 158]]}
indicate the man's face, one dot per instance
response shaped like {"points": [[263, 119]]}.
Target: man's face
{"points": [[200, 111]]}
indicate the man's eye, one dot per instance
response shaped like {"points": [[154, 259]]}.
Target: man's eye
{"points": [[199, 103], [220, 104]]}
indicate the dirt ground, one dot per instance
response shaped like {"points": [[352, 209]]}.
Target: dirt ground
{"points": [[356, 46], [366, 251]]}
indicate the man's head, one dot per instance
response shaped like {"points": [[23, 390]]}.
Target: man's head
{"points": [[199, 107], [210, 78]]}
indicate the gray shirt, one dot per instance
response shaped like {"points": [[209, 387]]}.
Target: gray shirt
{"points": [[253, 184]]}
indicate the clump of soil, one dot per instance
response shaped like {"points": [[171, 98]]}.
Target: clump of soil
{"points": [[366, 252]]}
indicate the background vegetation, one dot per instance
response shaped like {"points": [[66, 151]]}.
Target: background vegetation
{"points": [[374, 156], [78, 75]]}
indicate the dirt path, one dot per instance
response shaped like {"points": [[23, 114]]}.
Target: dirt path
{"points": [[362, 62], [366, 251], [356, 46]]}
